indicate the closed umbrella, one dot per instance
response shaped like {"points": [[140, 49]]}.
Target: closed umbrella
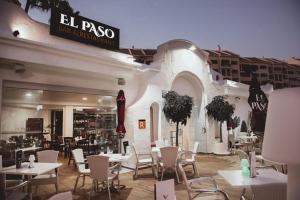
{"points": [[121, 114], [259, 104]]}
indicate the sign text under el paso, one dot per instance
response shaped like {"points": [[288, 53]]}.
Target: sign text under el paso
{"points": [[83, 30]]}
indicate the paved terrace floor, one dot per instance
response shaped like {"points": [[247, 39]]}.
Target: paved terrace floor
{"points": [[143, 187]]}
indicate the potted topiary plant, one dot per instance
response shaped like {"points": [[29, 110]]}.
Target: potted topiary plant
{"points": [[177, 109], [220, 110]]}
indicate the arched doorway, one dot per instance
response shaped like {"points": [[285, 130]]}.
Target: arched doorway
{"points": [[154, 115], [189, 84]]}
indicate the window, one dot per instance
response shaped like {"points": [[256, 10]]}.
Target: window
{"points": [[214, 62], [263, 67], [234, 62], [225, 63]]}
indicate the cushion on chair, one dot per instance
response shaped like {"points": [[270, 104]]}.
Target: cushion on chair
{"points": [[145, 160]]}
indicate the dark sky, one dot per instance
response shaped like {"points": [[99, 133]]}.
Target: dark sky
{"points": [[269, 28]]}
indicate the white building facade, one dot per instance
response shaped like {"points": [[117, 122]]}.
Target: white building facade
{"points": [[53, 63]]}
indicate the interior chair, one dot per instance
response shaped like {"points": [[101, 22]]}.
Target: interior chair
{"points": [[62, 196], [194, 191], [125, 145], [14, 189], [67, 146], [168, 160], [100, 173], [142, 160], [189, 158], [51, 177], [80, 164], [242, 154], [85, 146], [159, 143]]}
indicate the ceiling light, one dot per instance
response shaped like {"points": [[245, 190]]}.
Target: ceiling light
{"points": [[84, 98], [39, 107], [98, 109], [192, 48], [28, 94]]}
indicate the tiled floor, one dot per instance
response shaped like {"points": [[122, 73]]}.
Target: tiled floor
{"points": [[143, 187]]}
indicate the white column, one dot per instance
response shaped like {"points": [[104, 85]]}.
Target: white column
{"points": [[68, 121]]}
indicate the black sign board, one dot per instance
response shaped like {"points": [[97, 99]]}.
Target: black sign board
{"points": [[258, 102], [81, 29]]}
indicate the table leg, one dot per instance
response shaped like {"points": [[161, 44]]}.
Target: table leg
{"points": [[29, 187], [2, 186]]}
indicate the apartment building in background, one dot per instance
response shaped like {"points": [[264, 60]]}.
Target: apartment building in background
{"points": [[233, 67]]}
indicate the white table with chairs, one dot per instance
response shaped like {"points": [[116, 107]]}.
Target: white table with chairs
{"points": [[38, 169], [267, 182]]}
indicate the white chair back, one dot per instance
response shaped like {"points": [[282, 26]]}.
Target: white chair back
{"points": [[62, 196], [195, 149], [159, 143], [169, 156], [165, 190], [99, 167], [47, 156], [79, 158]]}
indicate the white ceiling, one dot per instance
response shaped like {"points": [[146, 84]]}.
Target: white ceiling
{"points": [[29, 97]]}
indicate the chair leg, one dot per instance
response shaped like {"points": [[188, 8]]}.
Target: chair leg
{"points": [[36, 189], [162, 174], [76, 182], [56, 187], [108, 191], [195, 169], [153, 172], [83, 182], [177, 175], [136, 173]]}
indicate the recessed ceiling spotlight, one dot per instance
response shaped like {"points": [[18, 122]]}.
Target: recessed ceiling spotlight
{"points": [[39, 107], [98, 109], [84, 98], [28, 94], [99, 100]]}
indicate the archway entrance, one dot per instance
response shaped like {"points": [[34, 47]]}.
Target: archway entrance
{"points": [[187, 83]]}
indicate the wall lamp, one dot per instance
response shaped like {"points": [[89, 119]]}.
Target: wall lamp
{"points": [[16, 33]]}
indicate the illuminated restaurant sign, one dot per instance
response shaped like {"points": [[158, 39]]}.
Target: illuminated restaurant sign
{"points": [[81, 29]]}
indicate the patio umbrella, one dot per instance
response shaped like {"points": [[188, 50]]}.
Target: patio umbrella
{"points": [[259, 104], [121, 114]]}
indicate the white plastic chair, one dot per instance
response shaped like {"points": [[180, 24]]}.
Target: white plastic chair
{"points": [[99, 172], [51, 177], [168, 160], [142, 160], [190, 158], [191, 185], [159, 143], [80, 164], [62, 196], [165, 190]]}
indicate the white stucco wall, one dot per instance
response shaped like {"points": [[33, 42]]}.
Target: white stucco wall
{"points": [[178, 64]]}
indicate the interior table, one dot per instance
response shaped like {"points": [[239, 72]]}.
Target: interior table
{"points": [[39, 168], [265, 176]]}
